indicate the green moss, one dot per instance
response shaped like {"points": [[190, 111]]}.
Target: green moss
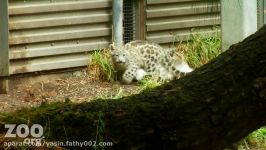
{"points": [[58, 119], [255, 140]]}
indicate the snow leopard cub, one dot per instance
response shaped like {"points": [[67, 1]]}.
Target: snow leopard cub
{"points": [[137, 59]]}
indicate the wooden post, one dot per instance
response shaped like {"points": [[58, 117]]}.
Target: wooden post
{"points": [[4, 47], [118, 22], [140, 20]]}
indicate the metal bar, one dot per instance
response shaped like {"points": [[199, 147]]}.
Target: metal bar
{"points": [[167, 1], [31, 7], [53, 20], [58, 48], [4, 48], [164, 25], [192, 10], [51, 34], [164, 38], [49, 63], [118, 22]]}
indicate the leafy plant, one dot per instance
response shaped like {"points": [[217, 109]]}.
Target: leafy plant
{"points": [[149, 83], [256, 139], [101, 66], [119, 94], [100, 132], [200, 48]]}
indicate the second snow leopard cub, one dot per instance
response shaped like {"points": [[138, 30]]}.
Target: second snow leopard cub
{"points": [[139, 58]]}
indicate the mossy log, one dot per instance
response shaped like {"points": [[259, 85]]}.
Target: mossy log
{"points": [[209, 109]]}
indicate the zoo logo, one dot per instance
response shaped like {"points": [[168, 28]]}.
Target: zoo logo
{"points": [[24, 131]]}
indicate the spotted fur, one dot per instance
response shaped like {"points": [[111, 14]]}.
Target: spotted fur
{"points": [[139, 58]]}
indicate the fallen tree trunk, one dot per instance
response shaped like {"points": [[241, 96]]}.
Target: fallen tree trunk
{"points": [[211, 108]]}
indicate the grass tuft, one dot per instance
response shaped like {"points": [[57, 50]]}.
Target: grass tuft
{"points": [[200, 49], [101, 66], [149, 83], [254, 140]]}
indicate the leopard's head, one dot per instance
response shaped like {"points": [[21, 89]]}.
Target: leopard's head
{"points": [[119, 55]]}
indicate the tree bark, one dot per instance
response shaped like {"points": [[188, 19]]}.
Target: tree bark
{"points": [[209, 109]]}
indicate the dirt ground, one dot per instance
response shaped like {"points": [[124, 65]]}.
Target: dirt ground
{"points": [[76, 87]]}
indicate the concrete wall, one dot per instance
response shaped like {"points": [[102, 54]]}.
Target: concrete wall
{"points": [[238, 20]]}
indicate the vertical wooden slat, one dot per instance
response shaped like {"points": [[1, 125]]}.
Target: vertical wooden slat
{"points": [[4, 48], [140, 20]]}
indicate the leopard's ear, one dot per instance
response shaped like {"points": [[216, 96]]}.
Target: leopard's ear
{"points": [[112, 47]]}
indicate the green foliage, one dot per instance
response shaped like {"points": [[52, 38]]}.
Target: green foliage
{"points": [[61, 119], [119, 94], [100, 132], [102, 61], [149, 83], [256, 139], [200, 48]]}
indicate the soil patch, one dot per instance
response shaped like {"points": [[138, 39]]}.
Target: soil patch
{"points": [[78, 87]]}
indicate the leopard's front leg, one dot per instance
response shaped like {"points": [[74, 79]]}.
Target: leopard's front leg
{"points": [[129, 74]]}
